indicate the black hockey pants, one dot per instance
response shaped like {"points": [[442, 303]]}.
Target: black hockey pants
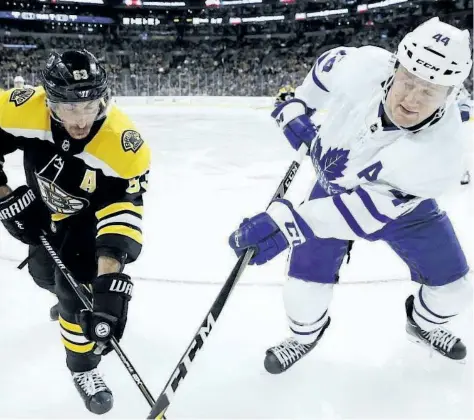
{"points": [[75, 242]]}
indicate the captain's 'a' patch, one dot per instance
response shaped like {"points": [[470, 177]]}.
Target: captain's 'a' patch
{"points": [[131, 140], [20, 96]]}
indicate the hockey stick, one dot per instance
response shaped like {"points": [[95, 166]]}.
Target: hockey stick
{"points": [[184, 364], [87, 303], [25, 261]]}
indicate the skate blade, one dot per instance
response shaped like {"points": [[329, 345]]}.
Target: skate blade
{"points": [[433, 353]]}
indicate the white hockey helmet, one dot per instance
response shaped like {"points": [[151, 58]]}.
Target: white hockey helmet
{"points": [[18, 79], [437, 52]]}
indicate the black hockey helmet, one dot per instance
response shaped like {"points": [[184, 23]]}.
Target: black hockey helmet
{"points": [[74, 76]]}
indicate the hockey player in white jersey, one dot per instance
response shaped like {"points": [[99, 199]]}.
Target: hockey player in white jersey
{"points": [[391, 143], [19, 83]]}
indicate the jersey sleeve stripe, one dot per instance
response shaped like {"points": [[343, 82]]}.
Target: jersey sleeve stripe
{"points": [[120, 224], [118, 207], [348, 217], [69, 325], [322, 57], [318, 82], [369, 204], [76, 339], [127, 218], [78, 348]]}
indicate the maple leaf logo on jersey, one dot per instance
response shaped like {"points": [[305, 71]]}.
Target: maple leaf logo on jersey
{"points": [[329, 166]]}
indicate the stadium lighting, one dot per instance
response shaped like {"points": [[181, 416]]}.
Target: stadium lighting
{"points": [[327, 13], [233, 2], [164, 3], [385, 3]]}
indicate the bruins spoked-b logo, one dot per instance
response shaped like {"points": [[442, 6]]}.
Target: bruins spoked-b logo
{"points": [[131, 140], [58, 200], [20, 96]]}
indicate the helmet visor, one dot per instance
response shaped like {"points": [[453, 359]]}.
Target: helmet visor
{"points": [[80, 113]]}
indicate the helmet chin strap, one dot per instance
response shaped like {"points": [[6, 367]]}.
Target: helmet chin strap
{"points": [[434, 118]]}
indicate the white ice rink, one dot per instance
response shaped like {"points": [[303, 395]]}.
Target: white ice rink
{"points": [[211, 168]]}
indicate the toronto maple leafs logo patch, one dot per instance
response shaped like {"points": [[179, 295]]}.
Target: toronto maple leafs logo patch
{"points": [[329, 166], [20, 96], [131, 140]]}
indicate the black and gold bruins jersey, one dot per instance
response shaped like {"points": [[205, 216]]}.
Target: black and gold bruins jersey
{"points": [[284, 94], [105, 174]]}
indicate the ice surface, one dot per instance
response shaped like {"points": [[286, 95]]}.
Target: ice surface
{"points": [[211, 168]]}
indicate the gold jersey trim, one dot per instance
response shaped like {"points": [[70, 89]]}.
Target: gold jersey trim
{"points": [[118, 207]]}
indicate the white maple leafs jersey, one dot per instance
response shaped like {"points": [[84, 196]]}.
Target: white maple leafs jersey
{"points": [[368, 174]]}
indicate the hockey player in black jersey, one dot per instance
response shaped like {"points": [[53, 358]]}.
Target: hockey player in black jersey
{"points": [[284, 94], [86, 170]]}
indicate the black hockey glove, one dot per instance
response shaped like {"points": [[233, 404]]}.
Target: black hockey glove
{"points": [[110, 295], [21, 214]]}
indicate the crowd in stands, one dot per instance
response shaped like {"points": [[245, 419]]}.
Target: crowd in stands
{"points": [[256, 67]]}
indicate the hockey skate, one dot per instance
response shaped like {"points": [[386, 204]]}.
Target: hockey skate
{"points": [[54, 312], [97, 396], [280, 358], [440, 340]]}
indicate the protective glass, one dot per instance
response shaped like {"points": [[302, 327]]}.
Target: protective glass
{"points": [[409, 86]]}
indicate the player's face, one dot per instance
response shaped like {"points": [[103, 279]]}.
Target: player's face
{"points": [[412, 100], [77, 118], [19, 85]]}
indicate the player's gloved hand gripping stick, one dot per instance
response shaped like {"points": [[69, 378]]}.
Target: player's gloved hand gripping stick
{"points": [[88, 305], [184, 364]]}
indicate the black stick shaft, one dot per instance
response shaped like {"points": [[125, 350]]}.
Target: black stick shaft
{"points": [[27, 259], [184, 364], [23, 263], [88, 304]]}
